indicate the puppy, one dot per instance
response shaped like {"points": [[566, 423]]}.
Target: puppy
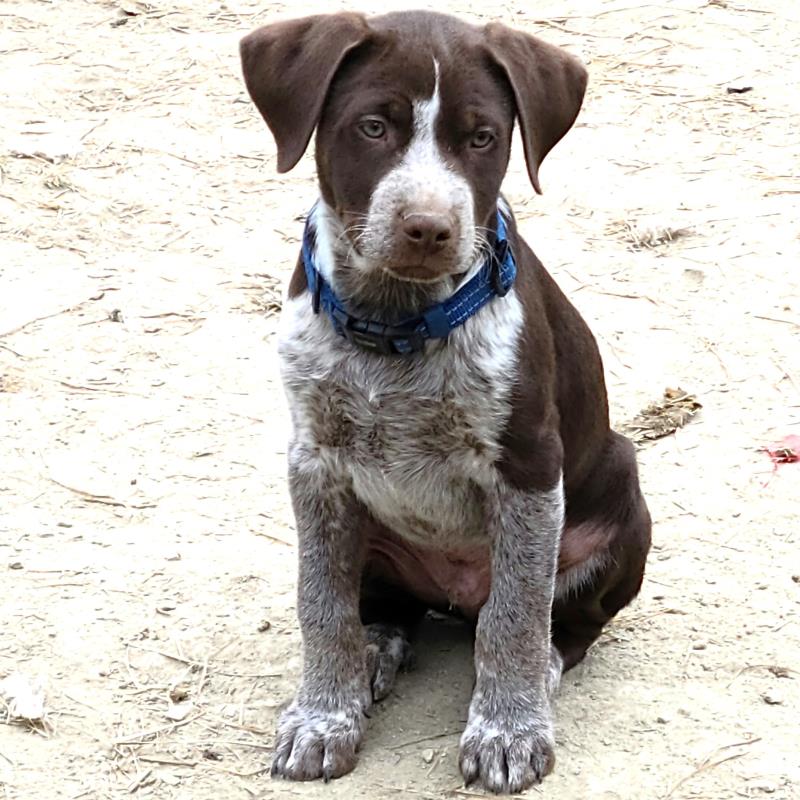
{"points": [[450, 446]]}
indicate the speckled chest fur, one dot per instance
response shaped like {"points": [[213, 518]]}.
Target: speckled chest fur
{"points": [[416, 438]]}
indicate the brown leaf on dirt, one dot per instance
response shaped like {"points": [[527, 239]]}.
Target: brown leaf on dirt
{"points": [[663, 417]]}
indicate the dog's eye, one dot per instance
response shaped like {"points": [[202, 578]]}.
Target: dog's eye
{"points": [[372, 128], [482, 138]]}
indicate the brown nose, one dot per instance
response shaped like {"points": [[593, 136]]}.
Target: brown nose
{"points": [[426, 232]]}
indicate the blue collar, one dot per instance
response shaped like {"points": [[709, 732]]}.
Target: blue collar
{"points": [[494, 279]]}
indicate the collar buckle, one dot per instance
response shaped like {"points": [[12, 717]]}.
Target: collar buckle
{"points": [[377, 338]]}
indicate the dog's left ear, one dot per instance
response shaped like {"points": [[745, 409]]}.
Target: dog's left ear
{"points": [[288, 67], [548, 85]]}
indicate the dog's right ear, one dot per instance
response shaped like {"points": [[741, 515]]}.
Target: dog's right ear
{"points": [[288, 67], [548, 85]]}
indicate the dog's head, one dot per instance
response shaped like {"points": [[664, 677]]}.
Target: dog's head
{"points": [[414, 114]]}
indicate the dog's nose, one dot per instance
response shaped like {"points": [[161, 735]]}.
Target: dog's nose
{"points": [[427, 231]]}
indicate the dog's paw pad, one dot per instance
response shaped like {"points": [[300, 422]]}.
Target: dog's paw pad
{"points": [[388, 652]]}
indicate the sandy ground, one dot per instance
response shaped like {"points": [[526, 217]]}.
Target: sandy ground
{"points": [[146, 544]]}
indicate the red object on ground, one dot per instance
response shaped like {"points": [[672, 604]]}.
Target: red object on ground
{"points": [[786, 451]]}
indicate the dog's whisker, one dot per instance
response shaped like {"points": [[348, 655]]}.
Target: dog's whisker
{"points": [[346, 232]]}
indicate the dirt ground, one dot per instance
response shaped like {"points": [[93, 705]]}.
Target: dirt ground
{"points": [[146, 544]]}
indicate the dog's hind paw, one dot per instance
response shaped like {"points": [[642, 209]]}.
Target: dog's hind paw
{"points": [[388, 652]]}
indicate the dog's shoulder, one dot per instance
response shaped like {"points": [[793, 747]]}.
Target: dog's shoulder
{"points": [[560, 410]]}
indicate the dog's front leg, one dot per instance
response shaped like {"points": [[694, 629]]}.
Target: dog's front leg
{"points": [[319, 733], [508, 742]]}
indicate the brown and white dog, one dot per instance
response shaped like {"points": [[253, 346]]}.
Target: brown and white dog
{"points": [[477, 472]]}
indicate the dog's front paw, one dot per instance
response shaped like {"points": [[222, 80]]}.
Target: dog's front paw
{"points": [[507, 752], [316, 743]]}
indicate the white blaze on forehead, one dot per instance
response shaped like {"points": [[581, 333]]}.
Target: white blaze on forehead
{"points": [[423, 154], [425, 114]]}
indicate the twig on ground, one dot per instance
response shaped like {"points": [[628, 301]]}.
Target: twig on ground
{"points": [[422, 739], [708, 763], [251, 774], [168, 762], [777, 671], [104, 499], [778, 319], [141, 736], [40, 319], [190, 662]]}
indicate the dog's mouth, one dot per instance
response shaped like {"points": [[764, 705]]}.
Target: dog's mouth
{"points": [[423, 272], [416, 273], [392, 290]]}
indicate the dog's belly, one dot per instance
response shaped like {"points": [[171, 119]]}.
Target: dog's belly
{"points": [[461, 577], [432, 539], [421, 476], [444, 579]]}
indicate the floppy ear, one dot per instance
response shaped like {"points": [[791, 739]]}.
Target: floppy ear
{"points": [[548, 85], [288, 68]]}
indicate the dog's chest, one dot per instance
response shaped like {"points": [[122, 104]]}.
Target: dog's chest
{"points": [[417, 439]]}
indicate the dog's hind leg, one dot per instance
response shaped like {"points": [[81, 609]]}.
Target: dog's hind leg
{"points": [[390, 616], [603, 552]]}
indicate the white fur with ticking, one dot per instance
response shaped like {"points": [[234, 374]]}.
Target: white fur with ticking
{"points": [[573, 580], [425, 430]]}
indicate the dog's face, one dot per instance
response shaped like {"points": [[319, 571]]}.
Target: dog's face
{"points": [[414, 115], [411, 152]]}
